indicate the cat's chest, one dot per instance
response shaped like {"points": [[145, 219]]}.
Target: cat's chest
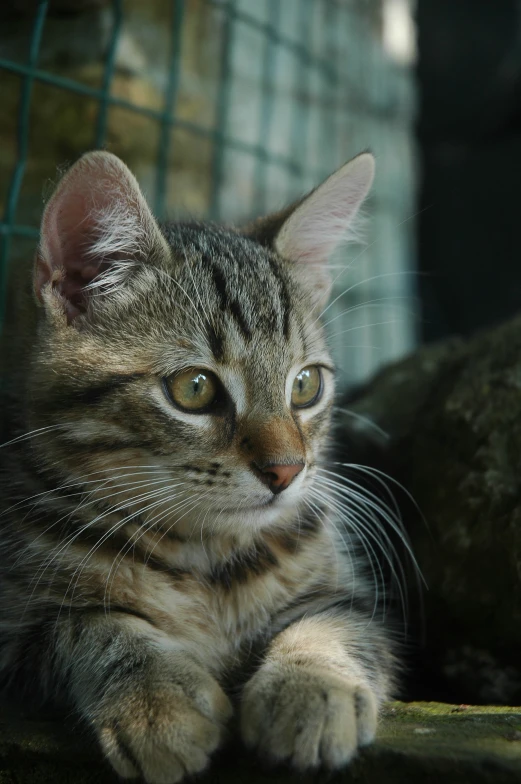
{"points": [[224, 607]]}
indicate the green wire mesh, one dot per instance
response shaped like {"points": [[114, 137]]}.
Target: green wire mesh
{"points": [[8, 226], [316, 64], [30, 72], [166, 117]]}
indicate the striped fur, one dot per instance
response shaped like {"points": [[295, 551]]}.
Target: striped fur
{"points": [[143, 562]]}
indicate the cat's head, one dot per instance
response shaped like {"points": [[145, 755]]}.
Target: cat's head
{"points": [[183, 369]]}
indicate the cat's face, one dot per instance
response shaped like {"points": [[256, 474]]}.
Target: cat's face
{"points": [[187, 370]]}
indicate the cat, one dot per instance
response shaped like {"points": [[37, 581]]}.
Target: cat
{"points": [[169, 523]]}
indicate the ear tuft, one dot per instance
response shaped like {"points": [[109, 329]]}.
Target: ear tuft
{"points": [[95, 230]]}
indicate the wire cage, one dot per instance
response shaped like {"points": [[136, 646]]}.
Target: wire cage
{"points": [[223, 109]]}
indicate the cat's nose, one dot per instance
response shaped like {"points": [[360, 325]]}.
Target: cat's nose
{"points": [[278, 477]]}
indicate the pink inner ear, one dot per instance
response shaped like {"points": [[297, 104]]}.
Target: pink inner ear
{"points": [[96, 220], [69, 233], [319, 233], [322, 220]]}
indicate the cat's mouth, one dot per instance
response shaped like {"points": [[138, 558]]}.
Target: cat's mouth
{"points": [[260, 506]]}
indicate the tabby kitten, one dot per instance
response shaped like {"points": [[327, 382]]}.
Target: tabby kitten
{"points": [[161, 525]]}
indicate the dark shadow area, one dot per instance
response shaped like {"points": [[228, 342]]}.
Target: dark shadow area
{"points": [[469, 134]]}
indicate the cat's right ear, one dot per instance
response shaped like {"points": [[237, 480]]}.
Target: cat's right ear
{"points": [[96, 228], [307, 233]]}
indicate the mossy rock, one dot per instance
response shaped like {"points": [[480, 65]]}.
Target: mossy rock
{"points": [[452, 413], [426, 742]]}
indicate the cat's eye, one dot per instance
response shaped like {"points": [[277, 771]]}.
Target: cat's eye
{"points": [[193, 390], [307, 387]]}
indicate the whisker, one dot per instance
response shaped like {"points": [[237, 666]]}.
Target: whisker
{"points": [[82, 505], [383, 478], [366, 326], [32, 434], [208, 313], [145, 528], [363, 282], [80, 481], [79, 569], [353, 518], [161, 516], [379, 302], [339, 510], [371, 505], [195, 317], [321, 514], [356, 491], [70, 540], [366, 420], [344, 270]]}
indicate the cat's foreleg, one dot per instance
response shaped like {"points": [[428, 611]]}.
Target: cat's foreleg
{"points": [[315, 698], [157, 710]]}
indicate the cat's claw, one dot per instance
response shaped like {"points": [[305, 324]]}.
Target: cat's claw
{"points": [[308, 717]]}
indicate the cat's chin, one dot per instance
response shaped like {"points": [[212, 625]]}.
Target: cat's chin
{"points": [[273, 510], [271, 503]]}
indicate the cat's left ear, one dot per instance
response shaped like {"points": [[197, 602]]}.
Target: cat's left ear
{"points": [[308, 232], [96, 230]]}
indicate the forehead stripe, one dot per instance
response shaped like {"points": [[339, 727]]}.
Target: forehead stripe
{"points": [[285, 301], [230, 305], [215, 341]]}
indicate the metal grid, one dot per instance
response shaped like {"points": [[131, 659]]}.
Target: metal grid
{"points": [[291, 169]]}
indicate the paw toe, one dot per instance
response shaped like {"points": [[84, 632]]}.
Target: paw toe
{"points": [[116, 755], [366, 716], [310, 721], [339, 737]]}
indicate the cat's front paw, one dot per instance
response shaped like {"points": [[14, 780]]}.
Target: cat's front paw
{"points": [[308, 717], [164, 731]]}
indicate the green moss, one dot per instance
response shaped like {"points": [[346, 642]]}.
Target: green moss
{"points": [[433, 710], [427, 742]]}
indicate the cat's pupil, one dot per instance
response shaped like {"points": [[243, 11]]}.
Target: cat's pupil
{"points": [[307, 387], [303, 381]]}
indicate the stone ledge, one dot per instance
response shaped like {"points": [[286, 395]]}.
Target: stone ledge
{"points": [[426, 742]]}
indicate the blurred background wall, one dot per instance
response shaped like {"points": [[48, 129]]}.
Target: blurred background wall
{"points": [[224, 109], [469, 133]]}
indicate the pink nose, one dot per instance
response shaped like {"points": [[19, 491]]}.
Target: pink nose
{"points": [[278, 477]]}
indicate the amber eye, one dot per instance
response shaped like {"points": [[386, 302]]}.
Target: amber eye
{"points": [[192, 390], [307, 387]]}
